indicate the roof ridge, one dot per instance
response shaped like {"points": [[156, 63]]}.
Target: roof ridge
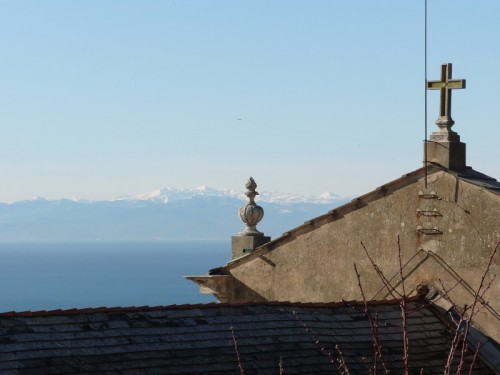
{"points": [[469, 175], [130, 309], [332, 215]]}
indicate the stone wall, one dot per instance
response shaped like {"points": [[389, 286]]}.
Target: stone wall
{"points": [[447, 233]]}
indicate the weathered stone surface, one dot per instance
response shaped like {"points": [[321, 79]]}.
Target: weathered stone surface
{"points": [[251, 213], [242, 245], [447, 232], [450, 155]]}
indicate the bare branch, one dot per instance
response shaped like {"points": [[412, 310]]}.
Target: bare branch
{"points": [[404, 312], [339, 363], [235, 344], [376, 345], [474, 359], [386, 282], [342, 365], [477, 297]]}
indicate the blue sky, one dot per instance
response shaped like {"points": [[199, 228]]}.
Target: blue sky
{"points": [[103, 98]]}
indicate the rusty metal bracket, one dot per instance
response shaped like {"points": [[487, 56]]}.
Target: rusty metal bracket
{"points": [[429, 213], [429, 231], [428, 196]]}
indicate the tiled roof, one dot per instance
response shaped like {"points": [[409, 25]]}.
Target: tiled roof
{"points": [[198, 339], [479, 179]]}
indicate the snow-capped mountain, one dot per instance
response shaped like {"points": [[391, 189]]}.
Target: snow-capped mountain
{"points": [[169, 194], [166, 213]]}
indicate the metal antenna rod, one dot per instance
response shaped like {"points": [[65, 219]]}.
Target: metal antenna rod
{"points": [[425, 90]]}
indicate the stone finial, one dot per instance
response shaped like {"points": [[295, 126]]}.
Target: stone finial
{"points": [[251, 213]]}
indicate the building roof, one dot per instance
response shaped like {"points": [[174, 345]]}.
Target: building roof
{"points": [[468, 175], [479, 179], [198, 339]]}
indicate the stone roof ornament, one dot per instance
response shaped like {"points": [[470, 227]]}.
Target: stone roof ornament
{"points": [[444, 146], [445, 122], [251, 213]]}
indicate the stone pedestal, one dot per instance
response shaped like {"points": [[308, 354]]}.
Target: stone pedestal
{"points": [[450, 155], [241, 245]]}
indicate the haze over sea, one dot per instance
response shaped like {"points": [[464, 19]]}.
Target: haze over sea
{"points": [[64, 275], [64, 254]]}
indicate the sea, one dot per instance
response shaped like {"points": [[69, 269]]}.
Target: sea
{"points": [[53, 275]]}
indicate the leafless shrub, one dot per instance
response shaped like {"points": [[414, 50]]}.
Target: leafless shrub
{"points": [[338, 362], [462, 323], [461, 318], [377, 349]]}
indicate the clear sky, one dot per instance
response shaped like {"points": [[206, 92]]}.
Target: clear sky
{"points": [[104, 98]]}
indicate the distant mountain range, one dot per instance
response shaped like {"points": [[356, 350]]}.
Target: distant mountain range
{"points": [[167, 213]]}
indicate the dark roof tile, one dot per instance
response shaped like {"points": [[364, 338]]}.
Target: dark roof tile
{"points": [[198, 338]]}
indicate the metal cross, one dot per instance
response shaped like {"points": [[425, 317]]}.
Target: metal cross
{"points": [[445, 85]]}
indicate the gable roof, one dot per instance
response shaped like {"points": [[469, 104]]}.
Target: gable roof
{"points": [[198, 339], [468, 175]]}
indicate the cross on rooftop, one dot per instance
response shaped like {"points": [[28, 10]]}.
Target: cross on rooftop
{"points": [[445, 85]]}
